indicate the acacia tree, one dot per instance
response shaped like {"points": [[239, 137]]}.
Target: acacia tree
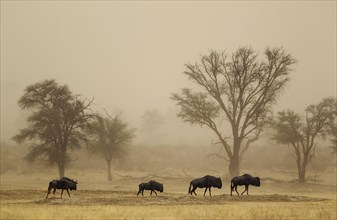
{"points": [[56, 124], [108, 137], [236, 87], [301, 132], [332, 130]]}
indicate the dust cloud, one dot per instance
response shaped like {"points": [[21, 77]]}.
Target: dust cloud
{"points": [[174, 149], [130, 57]]}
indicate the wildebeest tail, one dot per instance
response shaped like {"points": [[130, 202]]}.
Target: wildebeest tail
{"points": [[189, 189], [50, 186]]}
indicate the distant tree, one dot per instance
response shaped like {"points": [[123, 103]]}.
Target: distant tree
{"points": [[151, 121], [108, 138], [56, 124], [301, 132], [236, 87]]}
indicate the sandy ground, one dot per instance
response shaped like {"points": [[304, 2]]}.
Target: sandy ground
{"points": [[23, 197]]}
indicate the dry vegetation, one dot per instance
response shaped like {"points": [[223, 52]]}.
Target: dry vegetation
{"points": [[235, 210], [24, 187], [22, 197]]}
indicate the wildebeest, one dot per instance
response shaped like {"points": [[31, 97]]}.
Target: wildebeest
{"points": [[206, 181], [152, 185], [64, 183], [245, 180]]}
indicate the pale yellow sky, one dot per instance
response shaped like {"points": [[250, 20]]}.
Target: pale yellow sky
{"points": [[130, 55]]}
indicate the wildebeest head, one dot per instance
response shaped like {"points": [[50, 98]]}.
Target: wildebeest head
{"points": [[75, 184], [218, 183], [74, 187], [161, 187], [256, 181]]}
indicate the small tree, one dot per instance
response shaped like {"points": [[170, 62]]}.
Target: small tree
{"points": [[108, 138], [237, 88], [301, 132], [56, 124]]}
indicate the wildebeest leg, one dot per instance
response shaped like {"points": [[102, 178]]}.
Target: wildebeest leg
{"points": [[62, 193], [193, 190], [142, 192], [151, 193], [68, 192], [205, 191], [48, 193], [236, 189], [139, 191], [246, 188], [54, 191], [209, 189], [154, 192]]}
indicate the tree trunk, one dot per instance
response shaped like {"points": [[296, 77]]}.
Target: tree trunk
{"points": [[299, 166], [61, 168], [109, 170], [62, 160], [301, 175], [234, 161], [234, 166], [301, 162], [299, 172]]}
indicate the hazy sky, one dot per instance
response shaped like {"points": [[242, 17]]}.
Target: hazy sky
{"points": [[130, 55]]}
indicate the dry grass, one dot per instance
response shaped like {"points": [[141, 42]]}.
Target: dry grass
{"points": [[253, 210], [98, 204], [23, 198]]}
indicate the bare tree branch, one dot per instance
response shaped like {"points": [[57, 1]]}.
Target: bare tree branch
{"points": [[218, 156]]}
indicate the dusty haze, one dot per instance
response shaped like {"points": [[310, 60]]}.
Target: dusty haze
{"points": [[130, 57]]}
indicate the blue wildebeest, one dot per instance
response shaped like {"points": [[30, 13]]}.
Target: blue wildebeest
{"points": [[206, 181], [152, 185], [64, 183], [244, 180]]}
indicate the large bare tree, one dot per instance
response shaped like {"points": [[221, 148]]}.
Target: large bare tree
{"points": [[301, 132], [236, 87], [108, 138], [56, 124]]}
